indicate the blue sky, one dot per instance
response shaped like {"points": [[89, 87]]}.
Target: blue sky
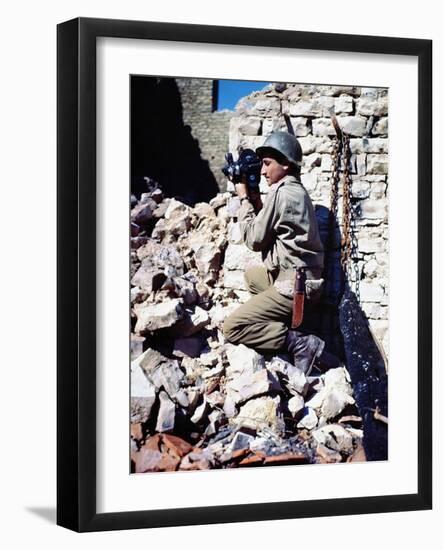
{"points": [[230, 91]]}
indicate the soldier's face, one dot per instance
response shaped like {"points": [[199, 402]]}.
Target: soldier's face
{"points": [[272, 170]]}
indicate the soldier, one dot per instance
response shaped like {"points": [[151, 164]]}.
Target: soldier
{"points": [[286, 232]]}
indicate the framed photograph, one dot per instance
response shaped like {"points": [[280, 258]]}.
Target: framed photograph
{"points": [[244, 274]]}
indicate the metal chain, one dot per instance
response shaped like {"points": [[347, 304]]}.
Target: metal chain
{"points": [[341, 159], [335, 178], [346, 214], [349, 234]]}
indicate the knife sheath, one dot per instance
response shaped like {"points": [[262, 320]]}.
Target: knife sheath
{"points": [[298, 300]]}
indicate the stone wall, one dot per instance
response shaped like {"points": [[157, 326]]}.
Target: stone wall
{"points": [[363, 114], [209, 127]]}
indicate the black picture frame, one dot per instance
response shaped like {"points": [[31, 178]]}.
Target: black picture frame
{"points": [[76, 277]]}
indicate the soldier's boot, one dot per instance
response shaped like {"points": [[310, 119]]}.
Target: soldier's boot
{"points": [[308, 350]]}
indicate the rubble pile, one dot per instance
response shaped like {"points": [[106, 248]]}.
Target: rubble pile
{"points": [[198, 402]]}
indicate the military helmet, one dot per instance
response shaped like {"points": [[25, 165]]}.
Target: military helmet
{"points": [[286, 144]]}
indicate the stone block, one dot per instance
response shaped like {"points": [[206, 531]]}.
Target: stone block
{"points": [[312, 160], [371, 209], [381, 127], [360, 164], [191, 323], [334, 437], [371, 245], [375, 311], [322, 127], [296, 404], [234, 279], [300, 126], [311, 144], [309, 181], [207, 257], [260, 413], [378, 190], [371, 292], [239, 257], [241, 441], [344, 104], [266, 107], [371, 106], [377, 164], [306, 107], [360, 189], [143, 213], [166, 414], [152, 317], [142, 395], [243, 359], [251, 384], [353, 125], [368, 145], [327, 105], [250, 126], [273, 125], [309, 419]]}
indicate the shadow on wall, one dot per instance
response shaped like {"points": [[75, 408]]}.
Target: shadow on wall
{"points": [[162, 146], [335, 287], [345, 328]]}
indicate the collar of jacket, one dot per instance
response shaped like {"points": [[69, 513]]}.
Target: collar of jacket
{"points": [[286, 179]]}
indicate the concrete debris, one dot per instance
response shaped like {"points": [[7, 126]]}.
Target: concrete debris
{"points": [[160, 453], [191, 323], [239, 257], [136, 345], [216, 418], [215, 399], [143, 212], [199, 459], [309, 419], [165, 374], [241, 441], [201, 412], [242, 359], [220, 200], [151, 317], [198, 402], [296, 404], [142, 395], [250, 384], [203, 210], [334, 396], [260, 413], [292, 376], [166, 414], [153, 254], [210, 359], [328, 456], [219, 369], [335, 437]]}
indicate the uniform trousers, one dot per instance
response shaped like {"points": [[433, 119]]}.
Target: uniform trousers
{"points": [[262, 322]]}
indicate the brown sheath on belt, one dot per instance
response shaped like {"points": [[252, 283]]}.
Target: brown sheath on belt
{"points": [[298, 300]]}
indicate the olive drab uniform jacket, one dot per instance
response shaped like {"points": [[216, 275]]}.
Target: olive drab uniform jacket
{"points": [[287, 234]]}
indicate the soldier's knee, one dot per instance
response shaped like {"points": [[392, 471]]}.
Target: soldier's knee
{"points": [[247, 277], [228, 329], [253, 279]]}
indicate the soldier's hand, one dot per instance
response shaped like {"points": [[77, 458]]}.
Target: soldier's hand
{"points": [[241, 189], [256, 201]]}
